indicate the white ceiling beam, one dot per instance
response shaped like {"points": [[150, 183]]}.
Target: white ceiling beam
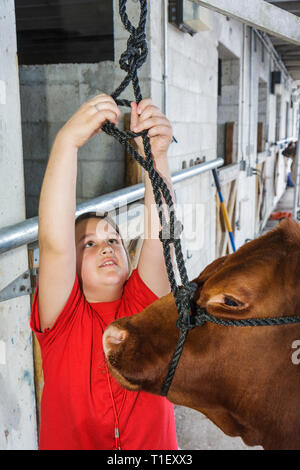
{"points": [[260, 15]]}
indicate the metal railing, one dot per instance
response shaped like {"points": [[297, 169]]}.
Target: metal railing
{"points": [[26, 232], [285, 141]]}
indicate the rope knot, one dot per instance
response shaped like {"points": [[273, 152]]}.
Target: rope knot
{"points": [[135, 54], [185, 298]]}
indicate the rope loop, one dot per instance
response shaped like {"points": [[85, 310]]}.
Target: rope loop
{"points": [[130, 61], [185, 294], [185, 300], [125, 20]]}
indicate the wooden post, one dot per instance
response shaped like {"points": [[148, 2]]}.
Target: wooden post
{"points": [[260, 195], [37, 358], [260, 135], [229, 143]]}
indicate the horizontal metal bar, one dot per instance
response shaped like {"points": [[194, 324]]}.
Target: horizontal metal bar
{"points": [[259, 14], [284, 141], [13, 236]]}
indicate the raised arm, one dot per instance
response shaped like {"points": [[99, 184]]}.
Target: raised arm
{"points": [[151, 265], [57, 206]]}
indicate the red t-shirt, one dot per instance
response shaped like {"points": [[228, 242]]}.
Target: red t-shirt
{"points": [[77, 408]]}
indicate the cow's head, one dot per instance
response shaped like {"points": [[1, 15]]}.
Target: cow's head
{"points": [[221, 369]]}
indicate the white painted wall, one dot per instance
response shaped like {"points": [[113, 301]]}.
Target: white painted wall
{"points": [[17, 399]]}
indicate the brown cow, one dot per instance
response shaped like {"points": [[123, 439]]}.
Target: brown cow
{"points": [[244, 379]]}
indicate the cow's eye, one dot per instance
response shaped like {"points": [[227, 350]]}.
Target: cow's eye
{"points": [[231, 302]]}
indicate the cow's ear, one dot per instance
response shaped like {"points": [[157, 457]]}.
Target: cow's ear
{"points": [[211, 269]]}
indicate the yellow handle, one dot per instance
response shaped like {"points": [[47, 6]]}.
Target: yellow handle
{"points": [[225, 214]]}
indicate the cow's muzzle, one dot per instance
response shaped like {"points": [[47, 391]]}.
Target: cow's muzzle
{"points": [[112, 338]]}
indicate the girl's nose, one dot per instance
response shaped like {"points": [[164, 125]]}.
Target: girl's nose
{"points": [[107, 248]]}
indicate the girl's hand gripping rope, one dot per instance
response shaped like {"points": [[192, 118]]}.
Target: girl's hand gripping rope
{"points": [[147, 116]]}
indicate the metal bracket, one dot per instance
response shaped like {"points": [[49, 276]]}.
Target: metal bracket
{"points": [[22, 285]]}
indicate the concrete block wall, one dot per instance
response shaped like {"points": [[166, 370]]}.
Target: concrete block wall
{"points": [[192, 102], [50, 94]]}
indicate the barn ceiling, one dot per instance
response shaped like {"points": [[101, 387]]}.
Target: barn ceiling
{"points": [[289, 53], [71, 31], [64, 31]]}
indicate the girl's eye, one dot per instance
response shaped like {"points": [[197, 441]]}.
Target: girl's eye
{"points": [[113, 240], [87, 244]]}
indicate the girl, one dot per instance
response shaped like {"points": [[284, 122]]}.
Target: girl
{"points": [[84, 286]]}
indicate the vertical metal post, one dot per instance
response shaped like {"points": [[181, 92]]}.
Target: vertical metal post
{"points": [[297, 164]]}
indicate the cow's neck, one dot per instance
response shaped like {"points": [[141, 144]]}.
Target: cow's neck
{"points": [[235, 425], [261, 416], [267, 420], [259, 431]]}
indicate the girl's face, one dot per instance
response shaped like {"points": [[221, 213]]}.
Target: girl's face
{"points": [[101, 259]]}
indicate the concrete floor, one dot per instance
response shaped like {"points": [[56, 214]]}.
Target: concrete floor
{"points": [[285, 204]]}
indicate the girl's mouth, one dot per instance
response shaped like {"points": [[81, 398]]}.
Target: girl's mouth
{"points": [[108, 264]]}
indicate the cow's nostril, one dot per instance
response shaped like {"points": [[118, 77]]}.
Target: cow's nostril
{"points": [[112, 337]]}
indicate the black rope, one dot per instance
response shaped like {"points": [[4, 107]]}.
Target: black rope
{"points": [[203, 317], [130, 61]]}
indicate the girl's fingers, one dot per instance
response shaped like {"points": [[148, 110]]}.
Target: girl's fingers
{"points": [[151, 122], [143, 104], [99, 98], [162, 131], [101, 107], [98, 119], [99, 103], [150, 111]]}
